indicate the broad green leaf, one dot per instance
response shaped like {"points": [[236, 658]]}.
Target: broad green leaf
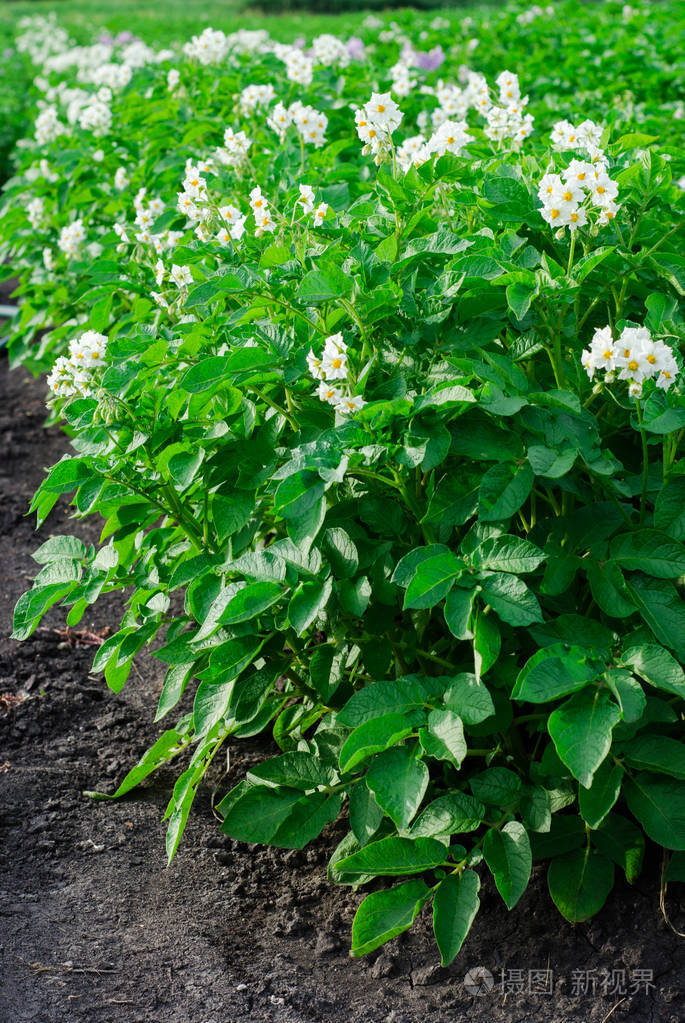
{"points": [[622, 841], [394, 856], [469, 698], [628, 693], [376, 735], [656, 666], [307, 819], [365, 813], [508, 554], [307, 603], [649, 551], [656, 753], [510, 598], [503, 490], [554, 671], [250, 602], [258, 813], [296, 770], [432, 581], [455, 905], [399, 696], [398, 780], [385, 914], [169, 745], [579, 883], [452, 814], [443, 738], [659, 805], [581, 730], [211, 703], [457, 612], [596, 802], [497, 786], [507, 853]]}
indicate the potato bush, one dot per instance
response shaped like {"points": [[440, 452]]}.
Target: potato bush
{"points": [[370, 357]]}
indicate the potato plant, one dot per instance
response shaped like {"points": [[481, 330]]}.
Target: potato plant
{"points": [[372, 368]]}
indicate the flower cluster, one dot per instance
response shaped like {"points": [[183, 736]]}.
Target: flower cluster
{"points": [[634, 356], [587, 135], [582, 188], [376, 121], [74, 374], [330, 368], [71, 238]]}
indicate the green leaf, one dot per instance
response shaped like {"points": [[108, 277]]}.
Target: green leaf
{"points": [[659, 805], [469, 698], [457, 612], [208, 373], [503, 490], [398, 780], [656, 753], [581, 730], [579, 883], [432, 581], [510, 599], [60, 547], [447, 815], [648, 551], [586, 264], [385, 914], [211, 703], [455, 906], [365, 813], [324, 285], [395, 856], [554, 671], [508, 554], [258, 813], [507, 853], [519, 297], [250, 602], [443, 738], [306, 820], [669, 511], [596, 802], [376, 735], [307, 603], [497, 786], [662, 609], [622, 841], [627, 692], [399, 696], [296, 770], [609, 589], [657, 666]]}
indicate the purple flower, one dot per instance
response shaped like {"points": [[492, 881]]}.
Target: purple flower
{"points": [[106, 39], [356, 48], [431, 60], [124, 37]]}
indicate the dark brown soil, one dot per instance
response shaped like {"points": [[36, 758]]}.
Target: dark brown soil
{"points": [[93, 927]]}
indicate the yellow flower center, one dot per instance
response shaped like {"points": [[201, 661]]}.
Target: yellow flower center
{"points": [[380, 108], [568, 196], [608, 353], [632, 365], [601, 189], [582, 176], [651, 359], [336, 363], [554, 214]]}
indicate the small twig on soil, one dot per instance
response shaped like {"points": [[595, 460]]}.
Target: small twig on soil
{"points": [[79, 637], [662, 896], [65, 968], [8, 701], [4, 768], [611, 1011]]}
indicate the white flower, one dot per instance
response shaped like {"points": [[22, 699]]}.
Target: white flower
{"points": [[334, 360], [279, 119], [383, 112], [349, 404], [319, 214], [306, 198], [160, 272], [329, 393], [314, 366], [48, 259], [35, 211], [173, 78], [451, 137], [121, 179], [88, 350], [600, 354], [181, 275]]}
